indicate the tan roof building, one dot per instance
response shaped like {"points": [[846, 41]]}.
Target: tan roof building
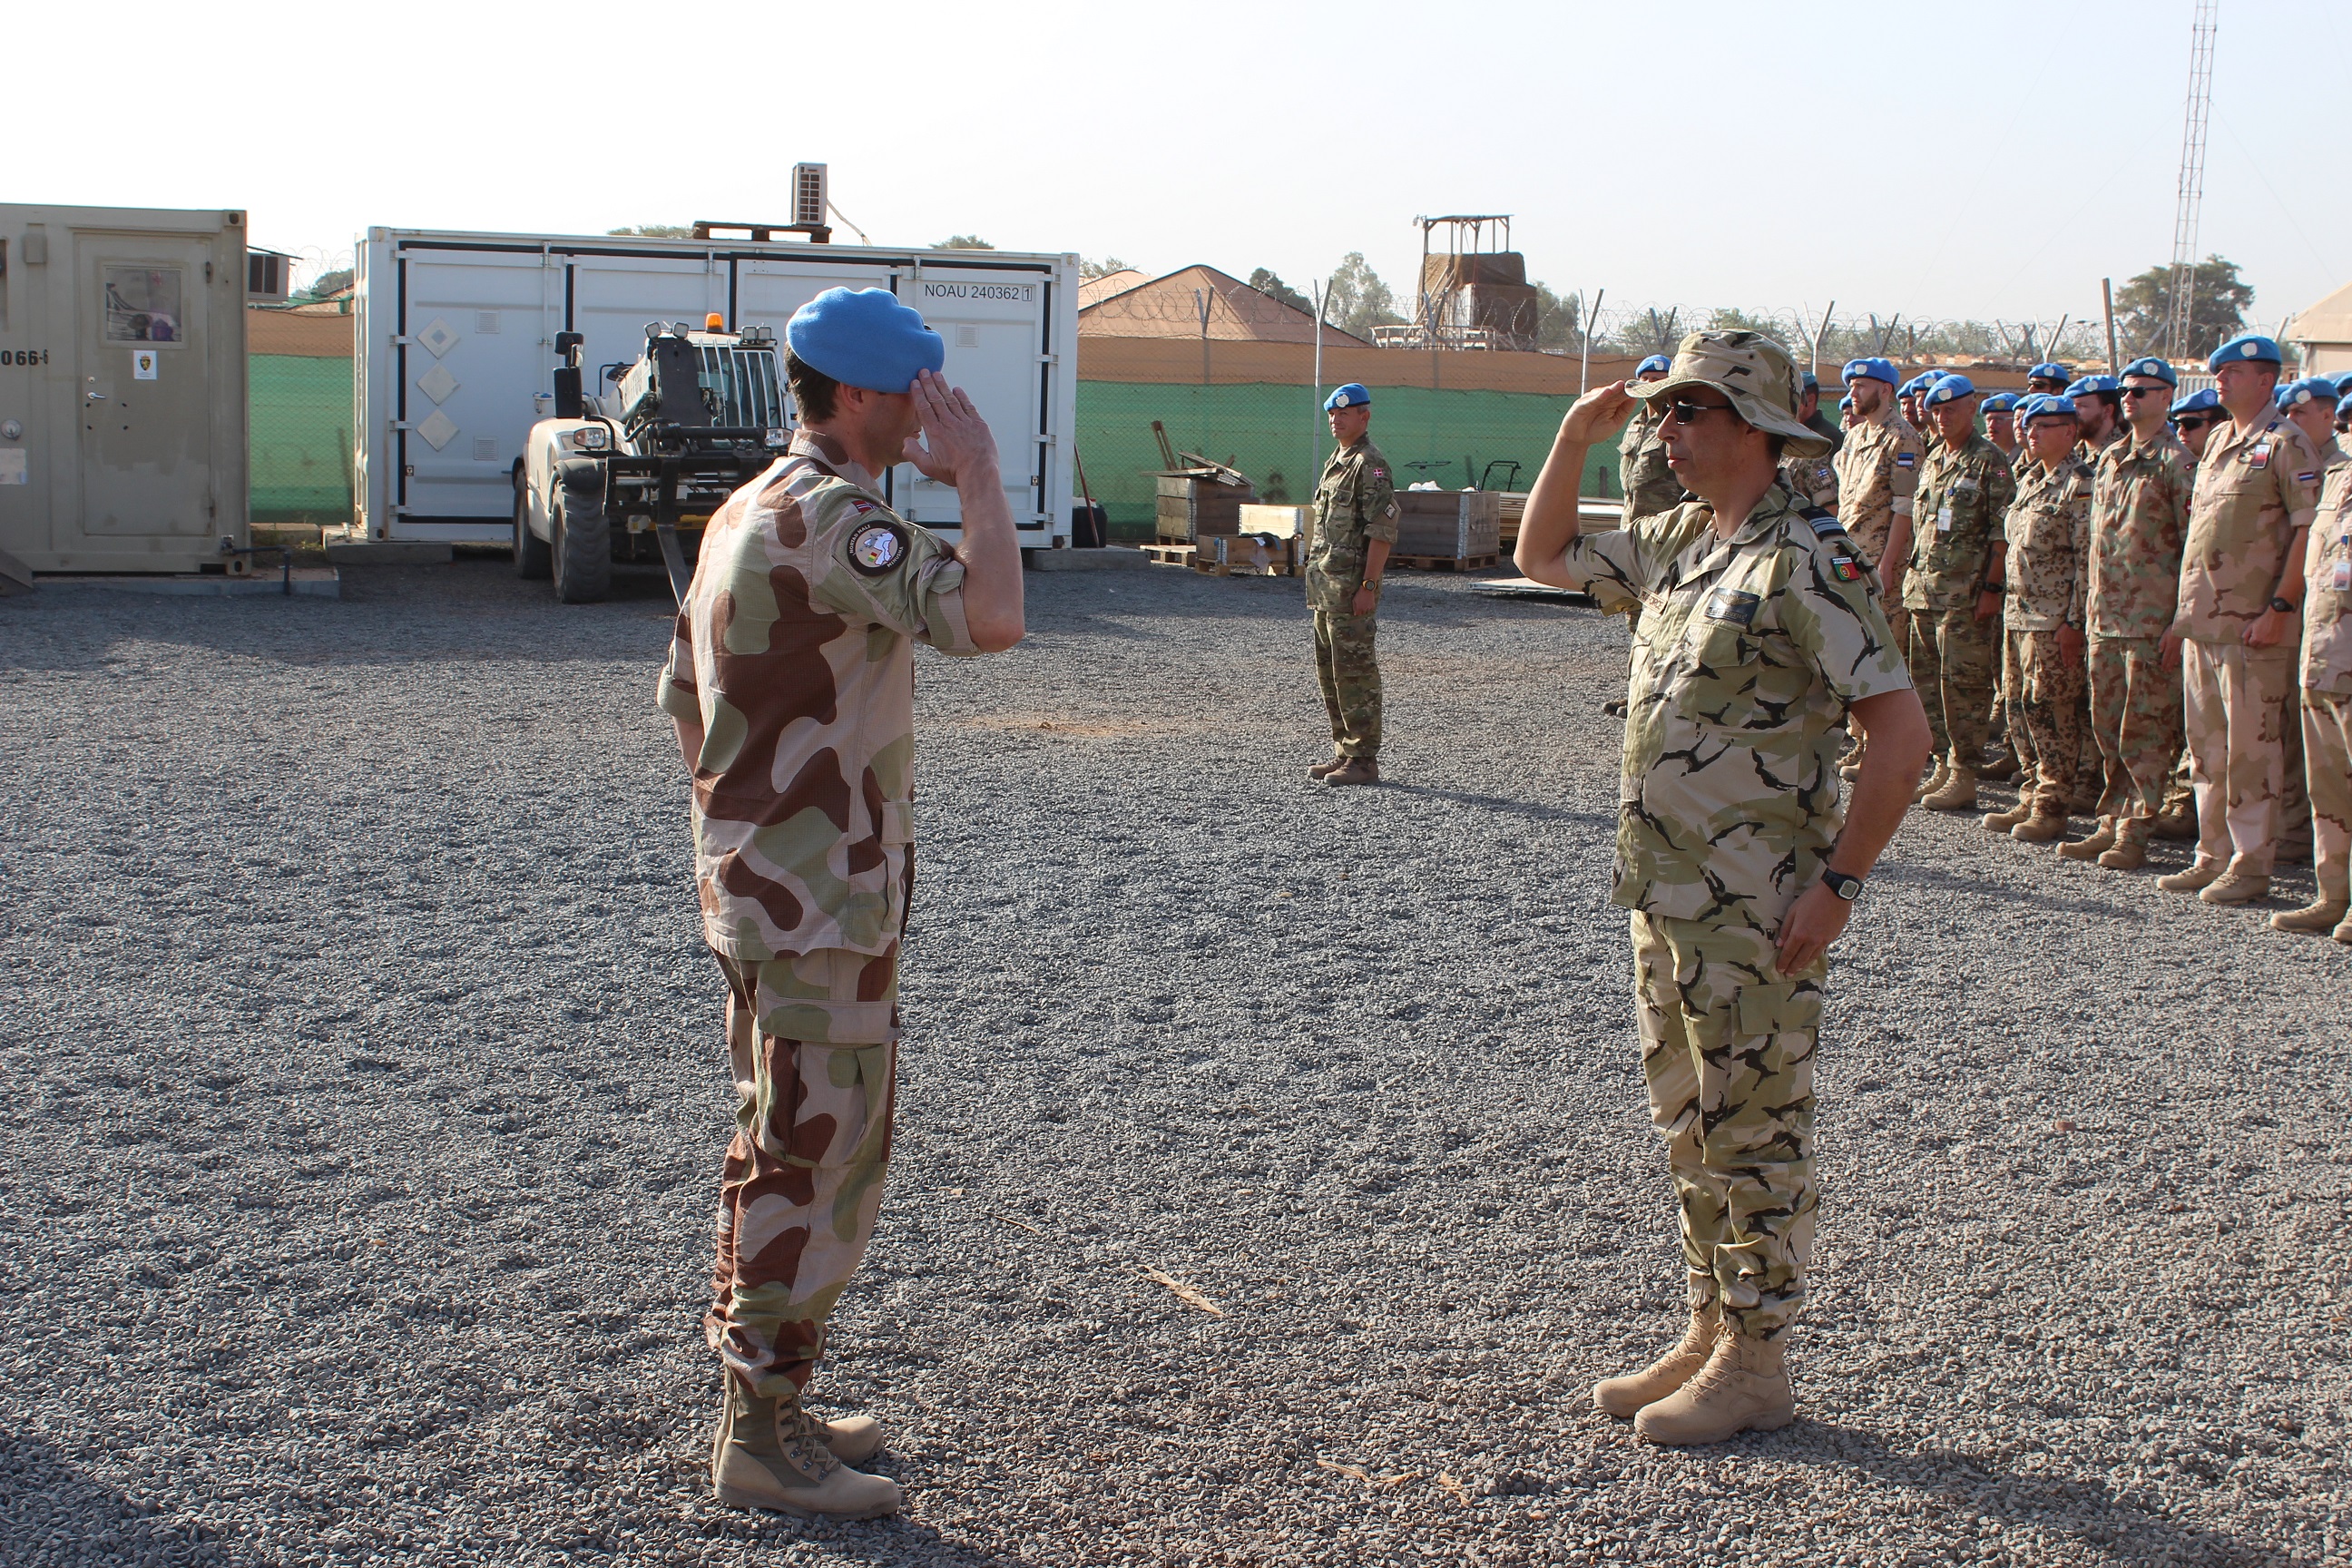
{"points": [[1170, 307], [2324, 332]]}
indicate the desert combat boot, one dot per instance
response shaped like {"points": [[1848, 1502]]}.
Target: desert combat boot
{"points": [[2321, 914], [2194, 876], [2002, 821], [1743, 1387], [1626, 1395], [2092, 844], [1325, 770], [1355, 771], [770, 1453], [1934, 781], [1958, 792], [2040, 827]]}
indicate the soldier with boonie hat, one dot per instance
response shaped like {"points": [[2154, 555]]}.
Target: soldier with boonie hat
{"points": [[1356, 516], [1953, 589], [807, 581], [1762, 637]]}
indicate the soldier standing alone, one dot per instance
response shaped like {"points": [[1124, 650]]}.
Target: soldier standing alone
{"points": [[1760, 635], [791, 682], [1355, 525]]}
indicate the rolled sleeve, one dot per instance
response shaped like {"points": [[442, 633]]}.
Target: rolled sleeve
{"points": [[678, 695]]}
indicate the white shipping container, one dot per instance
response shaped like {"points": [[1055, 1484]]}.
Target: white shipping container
{"points": [[456, 341]]}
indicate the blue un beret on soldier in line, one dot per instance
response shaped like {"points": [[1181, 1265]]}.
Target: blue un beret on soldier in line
{"points": [[1950, 389], [2000, 403], [864, 339], [1874, 369], [1348, 397], [2195, 402], [2149, 365], [2310, 389], [2047, 403], [2047, 370], [2343, 405], [2090, 383], [2244, 347]]}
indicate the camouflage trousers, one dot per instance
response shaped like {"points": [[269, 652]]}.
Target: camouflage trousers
{"points": [[1350, 675], [2235, 708], [1728, 1049], [2327, 764], [812, 1041], [2045, 691], [1954, 666], [2136, 717]]}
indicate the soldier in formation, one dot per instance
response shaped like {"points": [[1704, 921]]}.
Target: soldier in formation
{"points": [[1876, 475], [1954, 589], [1814, 479], [2048, 377], [791, 685], [1740, 869], [2045, 532], [2000, 412], [1355, 526], [2325, 698]]}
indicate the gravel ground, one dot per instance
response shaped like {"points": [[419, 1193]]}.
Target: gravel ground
{"points": [[364, 1102]]}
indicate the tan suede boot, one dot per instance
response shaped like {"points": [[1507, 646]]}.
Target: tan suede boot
{"points": [[2322, 913], [2343, 933], [2177, 823], [2192, 877], [2001, 769], [1625, 1395], [1321, 769], [1959, 792], [852, 1439], [1933, 782], [2128, 855], [1354, 771], [770, 1453], [2097, 842], [2002, 821], [1743, 1387], [2040, 828], [2235, 888]]}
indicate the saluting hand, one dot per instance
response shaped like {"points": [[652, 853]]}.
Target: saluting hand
{"points": [[1598, 415], [954, 445]]}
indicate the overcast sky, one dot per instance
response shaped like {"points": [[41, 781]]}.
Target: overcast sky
{"points": [[1989, 158]]}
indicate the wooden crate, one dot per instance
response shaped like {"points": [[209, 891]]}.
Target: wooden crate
{"points": [[1510, 506], [1459, 525], [1190, 509], [1281, 522], [1246, 556]]}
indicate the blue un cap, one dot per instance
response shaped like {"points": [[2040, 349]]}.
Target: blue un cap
{"points": [[2000, 403], [2090, 383], [1348, 397], [864, 339], [2047, 370], [2196, 402], [1874, 369], [2149, 365], [2310, 389], [1656, 362], [2044, 404], [2244, 348], [1949, 389]]}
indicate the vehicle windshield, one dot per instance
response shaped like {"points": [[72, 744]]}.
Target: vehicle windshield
{"points": [[740, 386]]}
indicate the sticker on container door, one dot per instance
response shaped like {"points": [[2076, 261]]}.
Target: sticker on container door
{"points": [[12, 466], [142, 364]]}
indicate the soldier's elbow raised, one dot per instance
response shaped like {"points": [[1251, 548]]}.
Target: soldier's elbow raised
{"points": [[996, 636]]}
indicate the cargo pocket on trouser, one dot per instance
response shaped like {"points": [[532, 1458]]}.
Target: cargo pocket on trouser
{"points": [[828, 1069], [1761, 1147]]}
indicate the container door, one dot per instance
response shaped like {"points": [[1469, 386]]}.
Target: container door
{"points": [[993, 322], [145, 386], [476, 347]]}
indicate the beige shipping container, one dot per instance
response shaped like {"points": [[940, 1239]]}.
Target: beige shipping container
{"points": [[123, 388]]}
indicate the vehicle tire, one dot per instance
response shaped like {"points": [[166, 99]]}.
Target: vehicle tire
{"points": [[534, 562], [583, 537]]}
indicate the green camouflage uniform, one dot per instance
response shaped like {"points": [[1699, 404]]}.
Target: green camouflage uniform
{"points": [[1749, 651], [2327, 684], [794, 652], [1964, 491], [2140, 509], [2048, 531], [2255, 486], [1355, 503]]}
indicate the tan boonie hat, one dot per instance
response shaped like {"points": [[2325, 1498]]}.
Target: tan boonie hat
{"points": [[1751, 370]]}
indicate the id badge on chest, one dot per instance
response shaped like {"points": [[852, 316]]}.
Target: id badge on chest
{"points": [[1944, 517], [2341, 578]]}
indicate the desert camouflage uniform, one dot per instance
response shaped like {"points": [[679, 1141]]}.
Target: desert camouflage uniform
{"points": [[2139, 509], [794, 652], [2048, 531], [1877, 470], [1964, 492], [2327, 683], [2091, 784], [1642, 473], [2255, 486], [1750, 652], [1355, 503], [1814, 480]]}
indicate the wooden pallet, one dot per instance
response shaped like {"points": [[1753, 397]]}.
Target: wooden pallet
{"points": [[1444, 563], [1240, 569], [1169, 554]]}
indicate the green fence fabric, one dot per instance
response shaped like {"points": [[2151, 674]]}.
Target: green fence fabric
{"points": [[301, 437], [1270, 433]]}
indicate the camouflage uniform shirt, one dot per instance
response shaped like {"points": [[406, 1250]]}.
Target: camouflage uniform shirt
{"points": [[1355, 503], [1649, 485], [2140, 509], [1812, 480], [1748, 652], [1877, 475], [2048, 528], [1964, 493], [2328, 591], [794, 651], [2255, 486]]}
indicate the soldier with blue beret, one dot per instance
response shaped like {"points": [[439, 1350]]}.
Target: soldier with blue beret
{"points": [[1356, 516], [2048, 376], [1954, 590], [1877, 470], [2153, 367], [1999, 410]]}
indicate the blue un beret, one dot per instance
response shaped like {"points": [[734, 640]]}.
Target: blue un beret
{"points": [[1950, 389], [2047, 403], [2090, 383], [2196, 402], [2343, 405], [2310, 389], [2000, 403], [864, 339], [1348, 397], [2343, 383], [1916, 385], [2245, 346], [2149, 365], [1656, 362], [2046, 371], [1874, 369]]}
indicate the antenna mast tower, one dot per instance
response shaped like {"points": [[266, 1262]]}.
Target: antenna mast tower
{"points": [[2192, 180]]}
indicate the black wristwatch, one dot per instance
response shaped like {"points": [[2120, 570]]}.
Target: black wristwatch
{"points": [[1844, 887], [2282, 604]]}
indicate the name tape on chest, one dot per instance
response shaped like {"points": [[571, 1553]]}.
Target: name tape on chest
{"points": [[878, 548]]}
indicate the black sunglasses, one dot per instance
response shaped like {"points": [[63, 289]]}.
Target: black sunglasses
{"points": [[2144, 391], [1684, 412], [2193, 421]]}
